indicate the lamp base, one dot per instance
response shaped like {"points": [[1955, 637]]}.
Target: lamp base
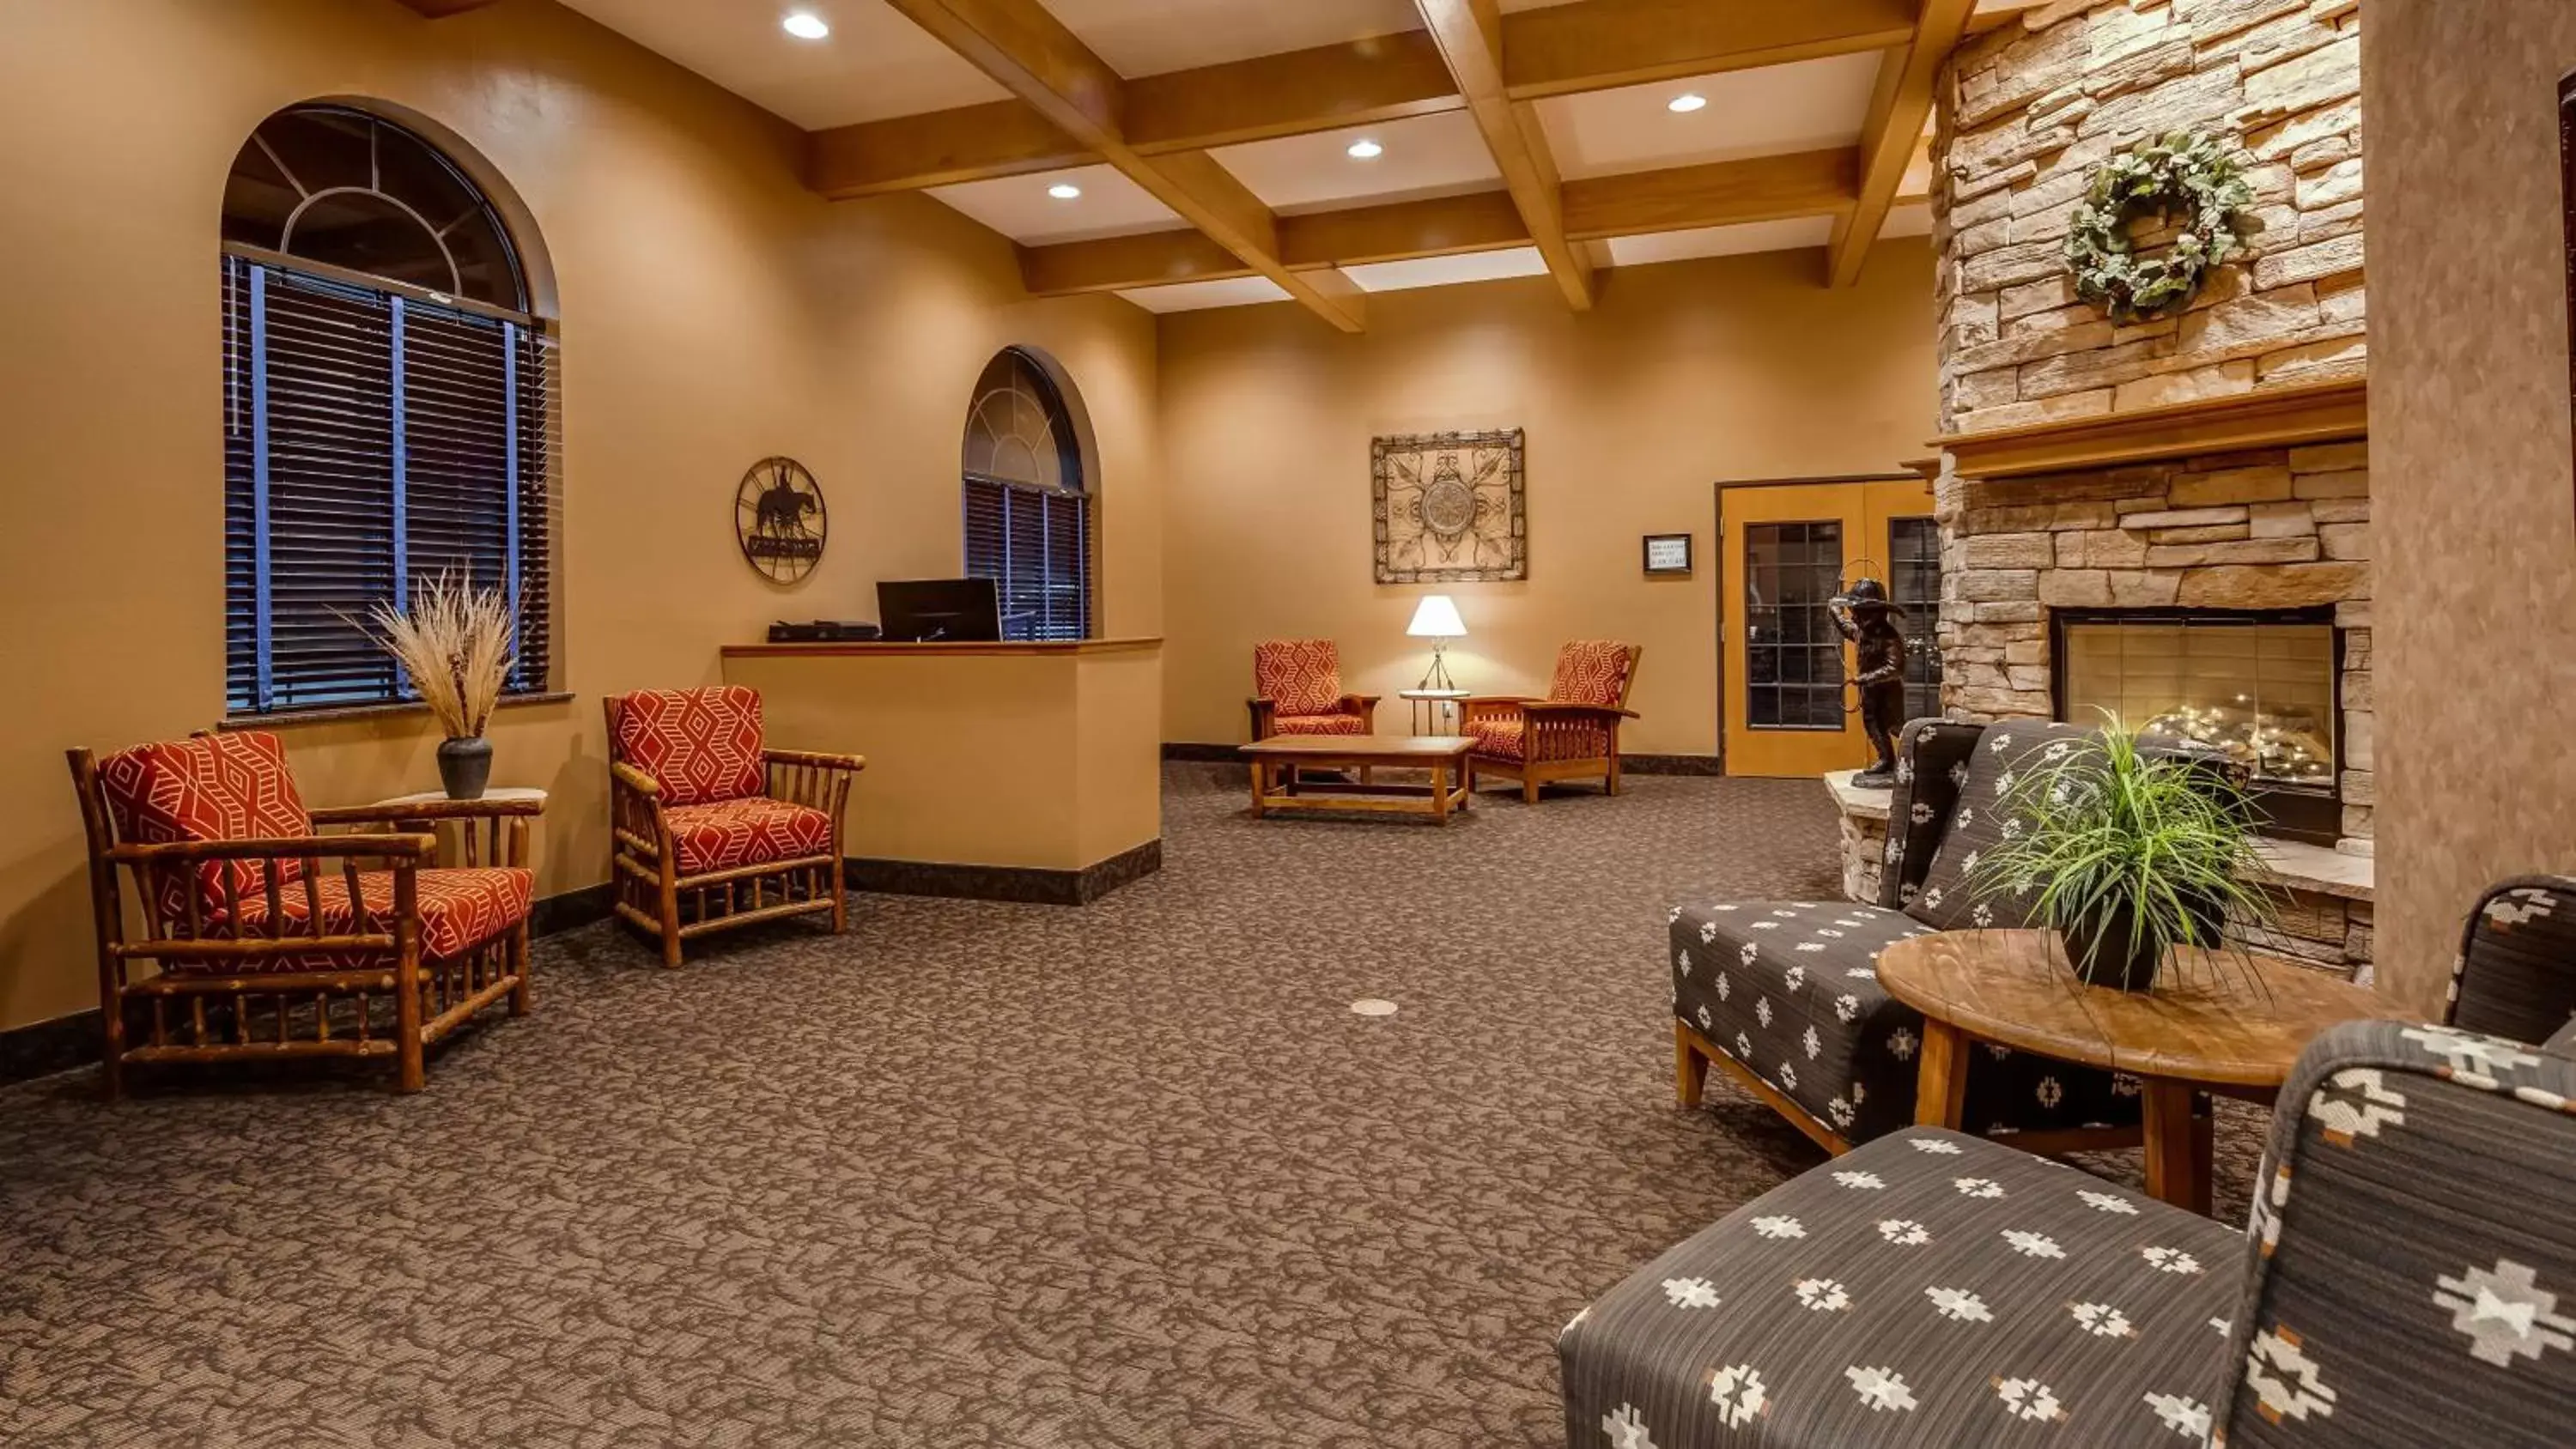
{"points": [[1438, 676]]}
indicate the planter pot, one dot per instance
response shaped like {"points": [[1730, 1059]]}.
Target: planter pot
{"points": [[465, 767], [2106, 957]]}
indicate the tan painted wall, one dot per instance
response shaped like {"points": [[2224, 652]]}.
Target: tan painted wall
{"points": [[2469, 461], [713, 312], [1684, 375]]}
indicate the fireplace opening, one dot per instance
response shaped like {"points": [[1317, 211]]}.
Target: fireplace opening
{"points": [[2263, 686]]}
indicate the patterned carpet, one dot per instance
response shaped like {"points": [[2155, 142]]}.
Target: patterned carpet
{"points": [[975, 1174]]}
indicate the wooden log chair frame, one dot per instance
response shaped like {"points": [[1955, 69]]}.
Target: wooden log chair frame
{"points": [[653, 893], [298, 983], [1560, 739]]}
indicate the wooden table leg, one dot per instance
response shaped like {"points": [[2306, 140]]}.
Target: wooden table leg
{"points": [[1440, 793], [1259, 769], [1941, 1092], [2178, 1150]]}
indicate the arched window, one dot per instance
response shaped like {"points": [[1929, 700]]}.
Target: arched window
{"points": [[385, 406], [1028, 517]]}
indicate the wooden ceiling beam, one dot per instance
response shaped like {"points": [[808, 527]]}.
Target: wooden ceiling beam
{"points": [[1556, 50], [1032, 55], [441, 9], [1470, 36], [1769, 188], [1898, 107], [1597, 45]]}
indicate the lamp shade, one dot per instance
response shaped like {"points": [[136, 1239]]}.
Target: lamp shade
{"points": [[1436, 618]]}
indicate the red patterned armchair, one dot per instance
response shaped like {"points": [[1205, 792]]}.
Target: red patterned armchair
{"points": [[1297, 690], [263, 950], [710, 829], [1573, 734]]}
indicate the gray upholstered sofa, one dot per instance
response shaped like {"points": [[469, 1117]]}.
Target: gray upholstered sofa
{"points": [[1782, 994], [2408, 1278]]}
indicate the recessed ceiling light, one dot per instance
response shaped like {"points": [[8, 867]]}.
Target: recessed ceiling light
{"points": [[1366, 150], [805, 25], [1064, 191], [1685, 103]]}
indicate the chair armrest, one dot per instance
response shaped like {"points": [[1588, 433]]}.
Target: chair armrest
{"points": [[1265, 713], [390, 846], [815, 760], [1477, 699], [634, 779], [1567, 708], [1363, 705]]}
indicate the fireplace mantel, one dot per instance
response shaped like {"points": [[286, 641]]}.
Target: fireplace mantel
{"points": [[2271, 418]]}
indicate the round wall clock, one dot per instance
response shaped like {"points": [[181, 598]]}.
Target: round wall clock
{"points": [[778, 516]]}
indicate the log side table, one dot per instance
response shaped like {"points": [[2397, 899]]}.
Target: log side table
{"points": [[2227, 1022]]}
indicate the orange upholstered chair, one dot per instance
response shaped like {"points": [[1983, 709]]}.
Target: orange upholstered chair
{"points": [[1297, 690], [275, 940], [713, 829], [1573, 734]]}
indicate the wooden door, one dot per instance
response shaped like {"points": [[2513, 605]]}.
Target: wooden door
{"points": [[1785, 549]]}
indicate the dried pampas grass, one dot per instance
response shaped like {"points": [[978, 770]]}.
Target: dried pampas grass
{"points": [[457, 642]]}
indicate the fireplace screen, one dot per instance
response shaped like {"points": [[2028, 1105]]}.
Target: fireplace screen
{"points": [[2262, 689]]}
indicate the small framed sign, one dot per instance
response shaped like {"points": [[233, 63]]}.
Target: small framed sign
{"points": [[1668, 553]]}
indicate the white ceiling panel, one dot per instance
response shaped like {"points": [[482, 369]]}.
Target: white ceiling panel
{"points": [[874, 64], [1424, 156], [1766, 111], [1442, 271], [1019, 208], [1722, 241], [1199, 296], [1149, 37]]}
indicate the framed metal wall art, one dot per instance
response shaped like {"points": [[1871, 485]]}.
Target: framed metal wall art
{"points": [[1449, 508]]}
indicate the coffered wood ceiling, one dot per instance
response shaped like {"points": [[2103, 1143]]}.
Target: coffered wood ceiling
{"points": [[1209, 138]]}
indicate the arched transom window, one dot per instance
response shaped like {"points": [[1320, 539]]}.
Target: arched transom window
{"points": [[385, 406], [1028, 514]]}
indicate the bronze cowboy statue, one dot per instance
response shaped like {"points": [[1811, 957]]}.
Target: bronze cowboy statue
{"points": [[1863, 615]]}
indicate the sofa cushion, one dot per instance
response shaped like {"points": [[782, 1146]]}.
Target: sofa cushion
{"points": [[207, 787], [459, 910], [1298, 676], [1790, 989], [1927, 1289], [1318, 724], [1984, 818], [697, 744], [751, 831]]}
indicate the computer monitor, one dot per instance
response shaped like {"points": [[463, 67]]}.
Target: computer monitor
{"points": [[927, 610]]}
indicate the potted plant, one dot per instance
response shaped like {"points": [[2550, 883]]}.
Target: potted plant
{"points": [[2132, 852], [457, 644]]}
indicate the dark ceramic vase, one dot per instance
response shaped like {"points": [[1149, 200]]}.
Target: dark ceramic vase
{"points": [[465, 767], [2107, 958]]}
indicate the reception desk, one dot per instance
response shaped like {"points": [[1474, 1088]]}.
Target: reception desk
{"points": [[1012, 771]]}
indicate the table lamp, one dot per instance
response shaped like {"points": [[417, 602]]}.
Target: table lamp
{"points": [[1436, 619]]}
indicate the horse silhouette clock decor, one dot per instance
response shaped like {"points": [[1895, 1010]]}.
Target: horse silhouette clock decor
{"points": [[778, 517]]}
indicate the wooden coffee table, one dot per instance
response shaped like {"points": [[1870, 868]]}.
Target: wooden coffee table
{"points": [[1276, 761], [2234, 1029]]}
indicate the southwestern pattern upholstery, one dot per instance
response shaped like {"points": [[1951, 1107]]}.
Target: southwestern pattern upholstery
{"points": [[1573, 734], [1297, 690], [1784, 994], [699, 745], [738, 833], [2408, 1278], [273, 938], [2512, 977], [727, 833]]}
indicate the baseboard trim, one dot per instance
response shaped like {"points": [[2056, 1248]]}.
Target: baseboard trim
{"points": [[1025, 885], [1632, 764], [554, 915]]}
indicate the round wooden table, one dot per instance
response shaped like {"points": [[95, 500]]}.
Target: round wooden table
{"points": [[2227, 1021]]}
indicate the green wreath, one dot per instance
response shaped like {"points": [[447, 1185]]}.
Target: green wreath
{"points": [[2188, 174]]}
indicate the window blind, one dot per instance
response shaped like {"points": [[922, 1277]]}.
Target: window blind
{"points": [[372, 440], [1035, 543]]}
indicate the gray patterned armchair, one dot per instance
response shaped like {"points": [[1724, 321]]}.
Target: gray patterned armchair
{"points": [[1783, 995], [2408, 1278]]}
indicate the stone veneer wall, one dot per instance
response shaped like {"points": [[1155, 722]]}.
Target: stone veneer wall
{"points": [[2025, 112]]}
